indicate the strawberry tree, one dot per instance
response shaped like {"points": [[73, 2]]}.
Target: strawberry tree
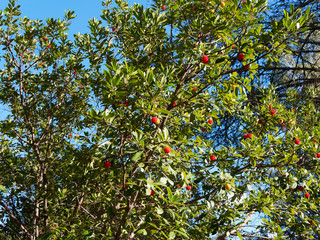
{"points": [[109, 136]]}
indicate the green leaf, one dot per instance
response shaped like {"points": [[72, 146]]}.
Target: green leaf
{"points": [[3, 189], [137, 156]]}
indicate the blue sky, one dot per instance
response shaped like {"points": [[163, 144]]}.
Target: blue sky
{"points": [[84, 9]]}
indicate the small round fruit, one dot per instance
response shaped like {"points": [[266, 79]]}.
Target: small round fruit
{"points": [[155, 120], [213, 158], [205, 59], [210, 121], [273, 112], [188, 187], [212, 10], [297, 141], [175, 104], [292, 123], [167, 150], [280, 121], [315, 140], [318, 155], [307, 195], [163, 8], [240, 57], [260, 121], [247, 67], [222, 4], [228, 186], [107, 164], [300, 188], [245, 136], [249, 135], [152, 192]]}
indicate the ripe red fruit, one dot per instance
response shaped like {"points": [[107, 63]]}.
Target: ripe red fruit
{"points": [[300, 188], [152, 192], [192, 8], [203, 129], [315, 140], [155, 120], [126, 103], [107, 164], [249, 135], [247, 67], [297, 141], [270, 106], [245, 136], [167, 150], [178, 186], [163, 8], [232, 46], [46, 39], [213, 158], [260, 121], [307, 195], [240, 57], [293, 110], [49, 46], [194, 89], [188, 187], [273, 112], [175, 104], [311, 222], [210, 121], [114, 29], [205, 59], [318, 155]]}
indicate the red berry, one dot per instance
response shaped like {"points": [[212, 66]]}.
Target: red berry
{"points": [[273, 112], [155, 120], [315, 140], [245, 136], [114, 29], [188, 187], [232, 46], [205, 59], [178, 149], [318, 155], [107, 164], [49, 46], [75, 73], [178, 186], [300, 188], [163, 8], [210, 121], [270, 106], [126, 103], [311, 222], [175, 104], [307, 195], [167, 150], [240, 57], [293, 110], [297, 141], [192, 8], [249, 135], [213, 158], [152, 192], [194, 89], [260, 121], [46, 39], [203, 129], [247, 67]]}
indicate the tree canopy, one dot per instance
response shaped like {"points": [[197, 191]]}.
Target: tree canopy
{"points": [[152, 126]]}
